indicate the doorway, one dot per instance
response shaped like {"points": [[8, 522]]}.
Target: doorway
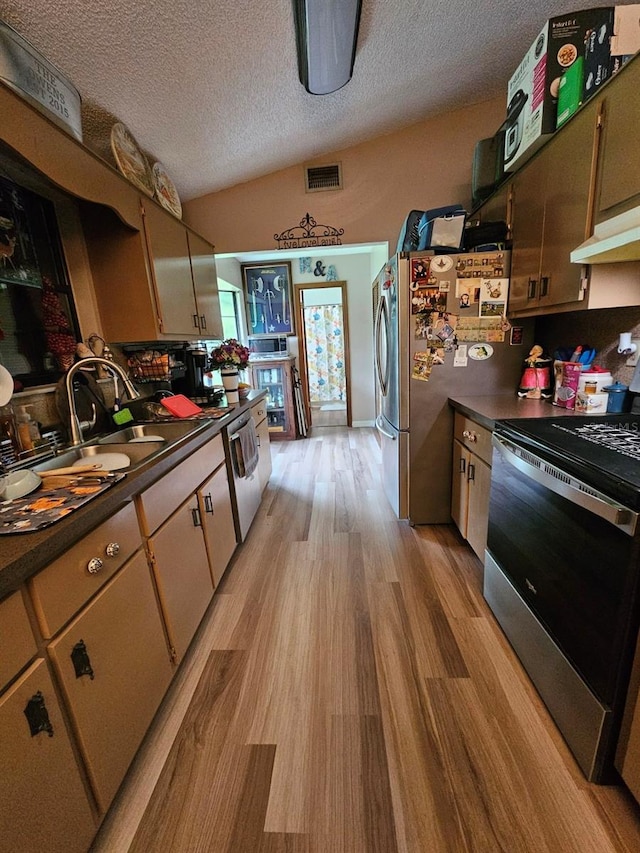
{"points": [[323, 346]]}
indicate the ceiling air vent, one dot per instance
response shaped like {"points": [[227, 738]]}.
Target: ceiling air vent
{"points": [[319, 178]]}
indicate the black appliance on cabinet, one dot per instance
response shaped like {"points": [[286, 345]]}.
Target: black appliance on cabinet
{"points": [[193, 382], [562, 568]]}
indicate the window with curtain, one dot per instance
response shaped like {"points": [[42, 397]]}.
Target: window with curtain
{"points": [[325, 353]]}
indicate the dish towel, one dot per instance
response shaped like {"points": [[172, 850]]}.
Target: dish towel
{"points": [[247, 450]]}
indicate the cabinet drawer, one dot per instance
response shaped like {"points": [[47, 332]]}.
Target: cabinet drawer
{"points": [[60, 590], [16, 638], [162, 499], [477, 438], [259, 411]]}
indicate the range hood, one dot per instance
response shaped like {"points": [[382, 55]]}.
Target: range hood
{"points": [[617, 239]]}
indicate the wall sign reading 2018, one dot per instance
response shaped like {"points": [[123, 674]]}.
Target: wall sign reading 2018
{"points": [[309, 233], [267, 292]]}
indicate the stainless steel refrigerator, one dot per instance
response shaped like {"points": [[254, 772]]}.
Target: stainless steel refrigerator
{"points": [[425, 308]]}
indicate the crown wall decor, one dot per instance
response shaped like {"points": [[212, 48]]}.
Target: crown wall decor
{"points": [[307, 234]]}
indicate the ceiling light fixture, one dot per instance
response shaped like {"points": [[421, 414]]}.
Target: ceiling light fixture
{"points": [[326, 35]]}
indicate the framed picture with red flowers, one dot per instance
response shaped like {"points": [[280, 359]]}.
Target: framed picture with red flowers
{"points": [[267, 293]]}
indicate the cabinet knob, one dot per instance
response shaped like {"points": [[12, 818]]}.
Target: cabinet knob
{"points": [[469, 435], [112, 549], [94, 565]]}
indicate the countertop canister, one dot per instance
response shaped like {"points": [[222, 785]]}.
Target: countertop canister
{"points": [[617, 397]]}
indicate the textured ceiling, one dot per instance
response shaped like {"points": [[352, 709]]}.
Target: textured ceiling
{"points": [[211, 88]]}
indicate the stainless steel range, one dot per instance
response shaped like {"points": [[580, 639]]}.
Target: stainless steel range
{"points": [[562, 567]]}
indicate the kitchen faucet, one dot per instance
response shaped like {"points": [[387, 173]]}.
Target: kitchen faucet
{"points": [[74, 423]]}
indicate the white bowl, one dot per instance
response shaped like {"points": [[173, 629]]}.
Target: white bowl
{"points": [[17, 484]]}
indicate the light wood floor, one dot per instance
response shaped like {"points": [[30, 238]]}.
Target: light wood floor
{"points": [[357, 696], [328, 417]]}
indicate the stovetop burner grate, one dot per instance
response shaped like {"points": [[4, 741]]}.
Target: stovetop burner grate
{"points": [[613, 437]]}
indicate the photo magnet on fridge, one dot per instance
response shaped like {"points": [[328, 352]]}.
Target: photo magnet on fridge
{"points": [[419, 269], [517, 335]]}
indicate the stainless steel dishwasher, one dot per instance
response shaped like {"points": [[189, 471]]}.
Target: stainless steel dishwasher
{"points": [[244, 456]]}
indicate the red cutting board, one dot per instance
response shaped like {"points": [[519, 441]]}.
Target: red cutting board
{"points": [[180, 406]]}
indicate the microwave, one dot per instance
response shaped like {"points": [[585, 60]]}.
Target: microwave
{"points": [[268, 346]]}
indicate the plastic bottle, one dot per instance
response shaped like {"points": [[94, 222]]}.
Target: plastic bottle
{"points": [[28, 432], [8, 427]]}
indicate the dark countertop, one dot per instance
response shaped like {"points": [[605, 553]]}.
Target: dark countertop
{"points": [[24, 554], [488, 409]]}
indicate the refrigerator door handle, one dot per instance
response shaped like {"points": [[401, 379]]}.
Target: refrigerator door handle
{"points": [[383, 431], [381, 314]]}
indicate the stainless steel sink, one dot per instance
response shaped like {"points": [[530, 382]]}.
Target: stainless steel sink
{"points": [[141, 433], [137, 453], [140, 442]]}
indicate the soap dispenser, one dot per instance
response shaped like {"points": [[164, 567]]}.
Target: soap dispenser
{"points": [[28, 432]]}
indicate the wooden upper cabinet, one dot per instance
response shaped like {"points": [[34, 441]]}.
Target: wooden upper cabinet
{"points": [[153, 278], [568, 197], [146, 280], [205, 283], [551, 208], [528, 221], [171, 271], [619, 168], [121, 276]]}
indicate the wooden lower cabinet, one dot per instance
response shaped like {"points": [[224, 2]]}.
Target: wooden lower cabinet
{"points": [[471, 481], [113, 664], [470, 497], [259, 415], [216, 513], [181, 569], [43, 800]]}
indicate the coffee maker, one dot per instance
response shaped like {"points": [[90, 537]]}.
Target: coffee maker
{"points": [[192, 384]]}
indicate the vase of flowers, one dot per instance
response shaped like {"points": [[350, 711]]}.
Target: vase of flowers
{"points": [[230, 357]]}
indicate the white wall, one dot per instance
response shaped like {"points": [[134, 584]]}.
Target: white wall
{"points": [[355, 269], [358, 270]]}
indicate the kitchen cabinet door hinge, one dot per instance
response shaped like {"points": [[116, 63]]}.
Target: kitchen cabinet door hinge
{"points": [[38, 716], [173, 655]]}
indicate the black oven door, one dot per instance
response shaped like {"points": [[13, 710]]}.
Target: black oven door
{"points": [[571, 554]]}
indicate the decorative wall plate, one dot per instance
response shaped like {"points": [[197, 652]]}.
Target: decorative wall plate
{"points": [[130, 159], [480, 352], [165, 191]]}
